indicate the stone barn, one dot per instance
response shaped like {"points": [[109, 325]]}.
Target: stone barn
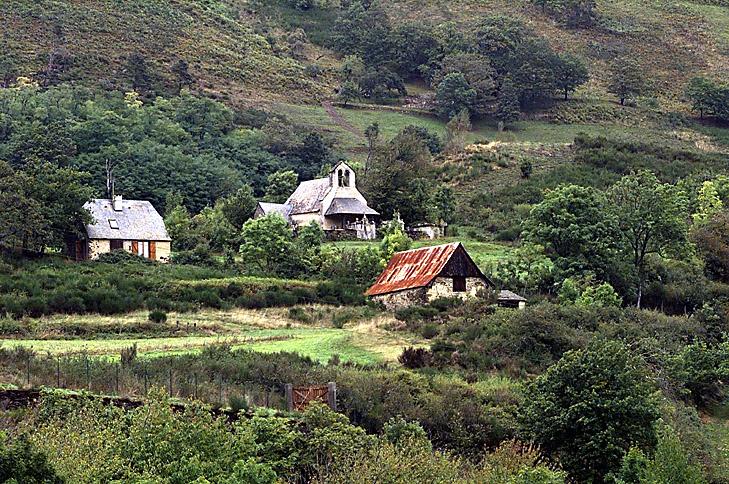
{"points": [[422, 275], [118, 224]]}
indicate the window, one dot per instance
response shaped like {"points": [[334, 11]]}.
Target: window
{"points": [[459, 284], [340, 178], [346, 178], [113, 223], [117, 245]]}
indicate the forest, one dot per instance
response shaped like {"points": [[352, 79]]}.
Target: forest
{"points": [[576, 148]]}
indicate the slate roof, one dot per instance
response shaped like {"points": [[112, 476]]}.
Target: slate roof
{"points": [[138, 220], [349, 206], [308, 196], [505, 295], [413, 268], [279, 208]]}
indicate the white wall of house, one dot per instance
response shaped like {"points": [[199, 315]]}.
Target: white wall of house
{"points": [[98, 247]]}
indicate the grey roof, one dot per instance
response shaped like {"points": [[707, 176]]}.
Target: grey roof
{"points": [[505, 295], [349, 206], [138, 220], [279, 208], [308, 196]]}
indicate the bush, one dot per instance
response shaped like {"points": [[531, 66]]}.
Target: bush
{"points": [[121, 256], [414, 358], [157, 316], [590, 408]]}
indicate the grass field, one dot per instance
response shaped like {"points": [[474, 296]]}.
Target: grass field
{"points": [[363, 341]]}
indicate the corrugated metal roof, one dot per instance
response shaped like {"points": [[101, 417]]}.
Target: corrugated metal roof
{"points": [[138, 220], [308, 196], [349, 206], [413, 268]]}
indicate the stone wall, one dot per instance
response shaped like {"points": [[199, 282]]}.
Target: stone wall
{"points": [[402, 299], [443, 287]]}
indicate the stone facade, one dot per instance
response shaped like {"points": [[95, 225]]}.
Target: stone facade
{"points": [[441, 287]]}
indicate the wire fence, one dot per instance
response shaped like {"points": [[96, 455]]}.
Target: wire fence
{"points": [[135, 379]]}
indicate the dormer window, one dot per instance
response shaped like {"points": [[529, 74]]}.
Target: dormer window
{"points": [[113, 223]]}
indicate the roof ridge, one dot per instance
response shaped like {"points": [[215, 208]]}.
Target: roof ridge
{"points": [[426, 247]]}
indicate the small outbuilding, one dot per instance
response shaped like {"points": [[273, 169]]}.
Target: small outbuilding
{"points": [[118, 224], [422, 275]]}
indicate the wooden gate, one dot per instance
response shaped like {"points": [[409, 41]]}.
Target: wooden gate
{"points": [[298, 398]]}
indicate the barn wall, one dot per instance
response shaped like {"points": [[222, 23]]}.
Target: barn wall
{"points": [[163, 251], [98, 247], [402, 299], [443, 287]]}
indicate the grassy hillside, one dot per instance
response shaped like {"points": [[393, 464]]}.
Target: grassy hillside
{"points": [[217, 40]]}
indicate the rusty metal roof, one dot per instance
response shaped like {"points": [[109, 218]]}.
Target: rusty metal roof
{"points": [[413, 268]]}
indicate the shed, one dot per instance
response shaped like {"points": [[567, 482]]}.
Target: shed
{"points": [[422, 275], [131, 225]]}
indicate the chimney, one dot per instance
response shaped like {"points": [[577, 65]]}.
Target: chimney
{"points": [[118, 203]]}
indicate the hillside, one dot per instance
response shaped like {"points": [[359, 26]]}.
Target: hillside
{"points": [[225, 55]]}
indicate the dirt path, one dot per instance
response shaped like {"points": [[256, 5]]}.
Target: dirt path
{"points": [[339, 119]]}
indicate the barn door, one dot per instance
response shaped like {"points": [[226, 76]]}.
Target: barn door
{"points": [[153, 250], [135, 247]]}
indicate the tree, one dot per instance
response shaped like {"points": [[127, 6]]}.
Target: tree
{"points": [[671, 462], [590, 408], [456, 130], [8, 67], [281, 185], [22, 222], [372, 133], [454, 95], [712, 242], [348, 91], [444, 204], [182, 74], [571, 73], [709, 203], [267, 244], [139, 75], [701, 93], [574, 225], [627, 79], [508, 108], [651, 219], [479, 75], [239, 207]]}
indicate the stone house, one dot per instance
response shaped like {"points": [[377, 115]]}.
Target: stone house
{"points": [[131, 225], [333, 202], [422, 275]]}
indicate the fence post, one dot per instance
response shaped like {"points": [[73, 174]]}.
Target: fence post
{"points": [[169, 384], [27, 370], [289, 390], [116, 379], [220, 389], [58, 372], [332, 395], [145, 382], [88, 372]]}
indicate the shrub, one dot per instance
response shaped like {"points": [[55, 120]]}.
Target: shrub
{"points": [[590, 408], [121, 256], [415, 358], [429, 331], [298, 313], [157, 316]]}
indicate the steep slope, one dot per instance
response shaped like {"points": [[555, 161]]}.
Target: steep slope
{"points": [[216, 39]]}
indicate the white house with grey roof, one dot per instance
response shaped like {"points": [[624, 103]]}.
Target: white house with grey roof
{"points": [[333, 202], [131, 225]]}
